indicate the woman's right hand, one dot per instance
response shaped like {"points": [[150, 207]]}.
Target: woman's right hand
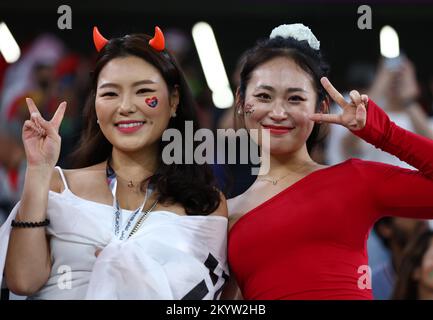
{"points": [[41, 138]]}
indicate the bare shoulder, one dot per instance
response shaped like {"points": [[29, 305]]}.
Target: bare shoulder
{"points": [[238, 205], [56, 181], [233, 205], [236, 208], [222, 208], [81, 179]]}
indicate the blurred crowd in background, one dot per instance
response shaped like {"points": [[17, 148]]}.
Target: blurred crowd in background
{"points": [[400, 250]]}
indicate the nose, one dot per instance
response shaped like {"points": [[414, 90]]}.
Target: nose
{"points": [[127, 106], [278, 112]]}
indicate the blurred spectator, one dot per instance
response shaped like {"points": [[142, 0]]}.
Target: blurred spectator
{"points": [[12, 167], [415, 275], [32, 73], [180, 44], [227, 119], [49, 74], [396, 90], [359, 76], [71, 85], [394, 233], [237, 177]]}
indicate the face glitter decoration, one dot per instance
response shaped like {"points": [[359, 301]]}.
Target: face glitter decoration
{"points": [[248, 109], [152, 102]]}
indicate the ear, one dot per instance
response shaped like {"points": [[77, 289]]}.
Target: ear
{"points": [[174, 99]]}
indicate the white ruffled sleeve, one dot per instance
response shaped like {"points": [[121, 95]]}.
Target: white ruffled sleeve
{"points": [[5, 231]]}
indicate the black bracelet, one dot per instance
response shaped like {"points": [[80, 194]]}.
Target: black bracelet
{"points": [[24, 224]]}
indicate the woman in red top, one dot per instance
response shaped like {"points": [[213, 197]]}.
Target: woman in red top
{"points": [[300, 231]]}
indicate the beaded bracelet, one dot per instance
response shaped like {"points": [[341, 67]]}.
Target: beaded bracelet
{"points": [[24, 224]]}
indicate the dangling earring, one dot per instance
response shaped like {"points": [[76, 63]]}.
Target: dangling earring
{"points": [[173, 115], [97, 121]]}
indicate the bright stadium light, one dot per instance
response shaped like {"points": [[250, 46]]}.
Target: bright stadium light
{"points": [[389, 43], [8, 46], [212, 65]]}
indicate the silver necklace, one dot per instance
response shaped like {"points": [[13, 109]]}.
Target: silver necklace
{"points": [[121, 231], [273, 181]]}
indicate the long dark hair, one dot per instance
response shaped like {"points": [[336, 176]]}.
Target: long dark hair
{"points": [[191, 185], [310, 60], [406, 287]]}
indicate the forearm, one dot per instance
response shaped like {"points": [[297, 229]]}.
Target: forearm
{"points": [[28, 258], [414, 149]]}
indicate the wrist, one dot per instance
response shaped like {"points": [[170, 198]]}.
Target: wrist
{"points": [[30, 224], [39, 169], [40, 176]]}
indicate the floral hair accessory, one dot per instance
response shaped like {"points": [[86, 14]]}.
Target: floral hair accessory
{"points": [[297, 31]]}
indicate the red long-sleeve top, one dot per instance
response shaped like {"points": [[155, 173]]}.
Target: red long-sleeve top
{"points": [[309, 240]]}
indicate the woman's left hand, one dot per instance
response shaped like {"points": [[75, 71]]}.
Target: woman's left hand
{"points": [[354, 115]]}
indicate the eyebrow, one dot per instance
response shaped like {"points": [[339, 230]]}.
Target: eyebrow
{"points": [[290, 90], [137, 83]]}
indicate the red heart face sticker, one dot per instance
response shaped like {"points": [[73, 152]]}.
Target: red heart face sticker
{"points": [[152, 102]]}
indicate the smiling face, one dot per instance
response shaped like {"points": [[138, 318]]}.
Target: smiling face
{"points": [[133, 104], [279, 97]]}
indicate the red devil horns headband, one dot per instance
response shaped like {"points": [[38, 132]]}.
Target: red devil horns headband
{"points": [[157, 42]]}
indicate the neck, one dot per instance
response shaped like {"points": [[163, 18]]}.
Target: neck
{"points": [[424, 293], [134, 166], [280, 164]]}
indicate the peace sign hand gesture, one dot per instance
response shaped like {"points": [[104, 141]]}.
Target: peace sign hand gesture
{"points": [[41, 138], [354, 115]]}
